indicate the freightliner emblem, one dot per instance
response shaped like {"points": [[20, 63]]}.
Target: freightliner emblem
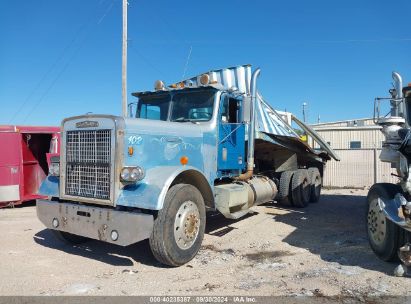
{"points": [[87, 124]]}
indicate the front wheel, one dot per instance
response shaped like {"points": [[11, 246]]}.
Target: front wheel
{"points": [[179, 227], [383, 235]]}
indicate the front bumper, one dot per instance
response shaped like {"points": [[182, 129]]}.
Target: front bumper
{"points": [[95, 222]]}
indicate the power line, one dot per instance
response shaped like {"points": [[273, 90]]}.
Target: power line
{"points": [[281, 43], [52, 67], [69, 61], [147, 61], [106, 12], [188, 59], [48, 89]]}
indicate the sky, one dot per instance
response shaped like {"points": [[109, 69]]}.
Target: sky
{"points": [[63, 58]]}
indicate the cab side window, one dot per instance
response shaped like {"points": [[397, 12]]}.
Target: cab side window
{"points": [[229, 110]]}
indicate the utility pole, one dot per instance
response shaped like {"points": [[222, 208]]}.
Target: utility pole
{"points": [[304, 111], [318, 120], [124, 61]]}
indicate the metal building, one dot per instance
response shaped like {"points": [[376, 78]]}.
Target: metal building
{"points": [[358, 143]]}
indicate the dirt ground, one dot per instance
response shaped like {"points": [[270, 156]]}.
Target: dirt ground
{"points": [[320, 250]]}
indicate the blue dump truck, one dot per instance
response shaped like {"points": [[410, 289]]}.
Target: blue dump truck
{"points": [[208, 143]]}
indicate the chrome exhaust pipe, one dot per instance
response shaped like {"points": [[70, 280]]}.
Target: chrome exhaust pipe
{"points": [[251, 130], [398, 84], [397, 107]]}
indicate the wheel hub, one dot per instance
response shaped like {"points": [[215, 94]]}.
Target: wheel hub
{"points": [[376, 223], [186, 225]]}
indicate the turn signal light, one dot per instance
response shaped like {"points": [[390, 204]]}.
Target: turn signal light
{"points": [[184, 160]]}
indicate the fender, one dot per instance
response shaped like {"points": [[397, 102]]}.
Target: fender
{"points": [[151, 193]]}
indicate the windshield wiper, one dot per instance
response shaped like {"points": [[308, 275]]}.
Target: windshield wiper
{"points": [[183, 119]]}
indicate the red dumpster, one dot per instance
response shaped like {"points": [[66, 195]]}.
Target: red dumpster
{"points": [[24, 154]]}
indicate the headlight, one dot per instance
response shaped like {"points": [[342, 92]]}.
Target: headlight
{"points": [[132, 174], [137, 174], [54, 169], [125, 174]]}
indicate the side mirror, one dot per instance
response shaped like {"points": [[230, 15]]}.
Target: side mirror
{"points": [[132, 108]]}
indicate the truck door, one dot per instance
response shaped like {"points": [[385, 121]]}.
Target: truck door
{"points": [[231, 137]]}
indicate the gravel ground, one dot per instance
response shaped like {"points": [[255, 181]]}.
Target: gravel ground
{"points": [[320, 250]]}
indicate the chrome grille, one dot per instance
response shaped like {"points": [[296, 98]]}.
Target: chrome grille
{"points": [[88, 163]]}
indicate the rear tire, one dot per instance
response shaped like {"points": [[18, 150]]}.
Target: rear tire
{"points": [[315, 184], [284, 192], [384, 236], [300, 186], [179, 227], [68, 238]]}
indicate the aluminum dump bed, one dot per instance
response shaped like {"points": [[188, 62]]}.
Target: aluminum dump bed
{"points": [[269, 122]]}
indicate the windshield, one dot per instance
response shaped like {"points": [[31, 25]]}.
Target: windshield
{"points": [[154, 106], [177, 106]]}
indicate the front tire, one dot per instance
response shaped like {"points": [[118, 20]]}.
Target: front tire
{"points": [[179, 227], [383, 235]]}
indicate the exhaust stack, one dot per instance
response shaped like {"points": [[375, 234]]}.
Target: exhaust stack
{"points": [[397, 107], [251, 129]]}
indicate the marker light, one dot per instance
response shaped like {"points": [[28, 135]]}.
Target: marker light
{"points": [[184, 160], [130, 150], [204, 79], [158, 85]]}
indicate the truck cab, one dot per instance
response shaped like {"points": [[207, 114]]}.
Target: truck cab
{"points": [[208, 143]]}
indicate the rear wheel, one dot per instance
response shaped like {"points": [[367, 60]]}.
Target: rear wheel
{"points": [[179, 227], [284, 188], [300, 188], [315, 184], [68, 238], [383, 235]]}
